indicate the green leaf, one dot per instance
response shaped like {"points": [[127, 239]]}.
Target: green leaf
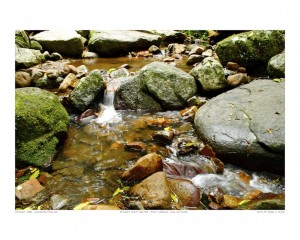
{"points": [[81, 205], [243, 202], [35, 174], [22, 179], [174, 197]]}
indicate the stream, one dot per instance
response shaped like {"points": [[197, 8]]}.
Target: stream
{"points": [[89, 164]]}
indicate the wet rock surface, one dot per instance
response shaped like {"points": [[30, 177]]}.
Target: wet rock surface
{"points": [[153, 192], [246, 123], [143, 168]]}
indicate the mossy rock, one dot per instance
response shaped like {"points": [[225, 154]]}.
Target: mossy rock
{"points": [[210, 74], [87, 90], [41, 122], [276, 66], [251, 49], [21, 39], [157, 86], [25, 58], [131, 96]]}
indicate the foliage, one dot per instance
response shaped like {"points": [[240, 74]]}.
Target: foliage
{"points": [[201, 34]]}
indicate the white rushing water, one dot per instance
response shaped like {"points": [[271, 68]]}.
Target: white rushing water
{"points": [[108, 114]]}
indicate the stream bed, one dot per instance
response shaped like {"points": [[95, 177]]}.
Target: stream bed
{"points": [[95, 153]]}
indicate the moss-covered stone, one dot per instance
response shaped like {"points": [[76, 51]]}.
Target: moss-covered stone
{"points": [[25, 58], [21, 39], [35, 45], [251, 49], [41, 121], [131, 96], [67, 43], [276, 66], [157, 86], [87, 90], [210, 74]]}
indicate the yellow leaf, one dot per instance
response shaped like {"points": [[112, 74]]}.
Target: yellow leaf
{"points": [[243, 202], [81, 205], [174, 197], [35, 174], [167, 129], [119, 190]]}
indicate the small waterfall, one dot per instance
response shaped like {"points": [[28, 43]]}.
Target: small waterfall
{"points": [[108, 114]]}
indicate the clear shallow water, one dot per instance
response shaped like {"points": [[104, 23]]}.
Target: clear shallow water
{"points": [[89, 163]]}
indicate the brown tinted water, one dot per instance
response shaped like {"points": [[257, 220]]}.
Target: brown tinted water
{"points": [[89, 163]]}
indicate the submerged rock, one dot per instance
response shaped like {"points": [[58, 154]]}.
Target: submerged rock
{"points": [[41, 122], [87, 90], [188, 195], [67, 43], [117, 43], [245, 126], [28, 189], [210, 74], [144, 167], [153, 192], [276, 66], [101, 207], [251, 49], [265, 201]]}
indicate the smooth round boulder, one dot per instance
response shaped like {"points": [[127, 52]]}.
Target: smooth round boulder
{"points": [[41, 122], [246, 126]]}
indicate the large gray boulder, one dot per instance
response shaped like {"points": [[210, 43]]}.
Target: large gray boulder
{"points": [[210, 74], [41, 122], [251, 49], [87, 90], [67, 43], [25, 58], [117, 43], [276, 66], [246, 126], [157, 86]]}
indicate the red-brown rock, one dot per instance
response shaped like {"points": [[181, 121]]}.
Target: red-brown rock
{"points": [[144, 167], [153, 192], [28, 189]]}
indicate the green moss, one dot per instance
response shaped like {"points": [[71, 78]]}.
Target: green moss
{"points": [[251, 48], [87, 90], [41, 120], [21, 39]]}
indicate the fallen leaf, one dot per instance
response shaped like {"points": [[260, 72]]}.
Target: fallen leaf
{"points": [[35, 174], [174, 197], [243, 202], [81, 205]]}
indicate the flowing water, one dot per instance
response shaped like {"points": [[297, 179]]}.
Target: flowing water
{"points": [[91, 159]]}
